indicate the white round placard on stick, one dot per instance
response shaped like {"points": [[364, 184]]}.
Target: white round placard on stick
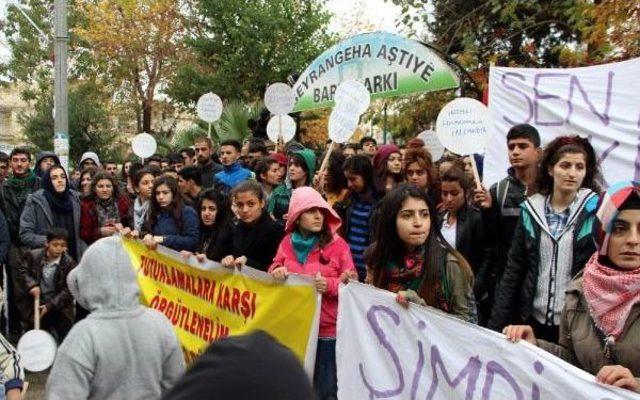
{"points": [[279, 98], [463, 126], [144, 145], [342, 124], [209, 107], [432, 144], [352, 95], [281, 127], [37, 349]]}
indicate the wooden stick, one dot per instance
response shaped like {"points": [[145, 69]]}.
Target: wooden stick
{"points": [[326, 158], [36, 312], [476, 175]]}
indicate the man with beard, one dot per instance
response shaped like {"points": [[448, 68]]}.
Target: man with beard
{"points": [[208, 168]]}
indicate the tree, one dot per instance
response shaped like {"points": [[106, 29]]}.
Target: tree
{"points": [[241, 46], [516, 32], [613, 31], [138, 43], [31, 60], [88, 121], [31, 65]]}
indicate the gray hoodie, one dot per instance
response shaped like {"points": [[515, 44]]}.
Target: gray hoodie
{"points": [[90, 155], [122, 350]]}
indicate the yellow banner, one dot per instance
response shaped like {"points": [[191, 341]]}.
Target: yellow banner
{"points": [[208, 304]]}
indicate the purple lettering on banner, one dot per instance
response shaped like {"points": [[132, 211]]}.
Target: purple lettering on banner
{"points": [[605, 154], [535, 390], [523, 94], [495, 368], [604, 117], [636, 175], [416, 375], [538, 96], [471, 371], [382, 338]]}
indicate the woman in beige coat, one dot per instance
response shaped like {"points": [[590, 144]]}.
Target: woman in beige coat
{"points": [[600, 324]]}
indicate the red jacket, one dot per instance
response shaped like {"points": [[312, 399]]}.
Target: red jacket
{"points": [[331, 261], [89, 226]]}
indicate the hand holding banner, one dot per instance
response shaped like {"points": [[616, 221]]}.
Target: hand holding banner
{"points": [[204, 305]]}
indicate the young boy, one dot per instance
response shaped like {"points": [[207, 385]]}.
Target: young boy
{"points": [[500, 208], [233, 172], [43, 272]]}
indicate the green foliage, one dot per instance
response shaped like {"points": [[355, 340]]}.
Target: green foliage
{"points": [[233, 123], [32, 55], [186, 137], [518, 32], [241, 46], [88, 121], [408, 116]]}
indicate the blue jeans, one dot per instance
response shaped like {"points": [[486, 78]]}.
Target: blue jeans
{"points": [[325, 379]]}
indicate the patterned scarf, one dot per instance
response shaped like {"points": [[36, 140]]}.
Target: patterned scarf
{"points": [[108, 214], [408, 275], [610, 294]]}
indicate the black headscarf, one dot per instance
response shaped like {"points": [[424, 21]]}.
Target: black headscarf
{"points": [[59, 202]]}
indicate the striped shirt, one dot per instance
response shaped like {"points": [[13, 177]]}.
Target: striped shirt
{"points": [[358, 232]]}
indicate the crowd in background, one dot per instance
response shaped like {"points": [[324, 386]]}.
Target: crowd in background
{"points": [[530, 256]]}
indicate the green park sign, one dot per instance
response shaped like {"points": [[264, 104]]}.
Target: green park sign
{"points": [[388, 65]]}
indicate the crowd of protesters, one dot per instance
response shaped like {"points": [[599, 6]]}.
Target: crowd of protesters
{"points": [[531, 256]]}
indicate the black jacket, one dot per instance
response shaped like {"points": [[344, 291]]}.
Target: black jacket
{"points": [[5, 239], [13, 201], [30, 274], [499, 227], [470, 236], [208, 173], [258, 242], [519, 282], [213, 241]]}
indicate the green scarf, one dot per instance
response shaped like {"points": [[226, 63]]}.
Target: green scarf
{"points": [[302, 245], [27, 181]]}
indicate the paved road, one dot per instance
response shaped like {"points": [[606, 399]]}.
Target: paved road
{"points": [[36, 385]]}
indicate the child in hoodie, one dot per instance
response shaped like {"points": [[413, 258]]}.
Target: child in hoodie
{"points": [[122, 350], [313, 247]]}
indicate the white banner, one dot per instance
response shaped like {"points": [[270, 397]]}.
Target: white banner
{"points": [[600, 102], [387, 352]]}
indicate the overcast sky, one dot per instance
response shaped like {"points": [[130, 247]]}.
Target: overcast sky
{"points": [[382, 14]]}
